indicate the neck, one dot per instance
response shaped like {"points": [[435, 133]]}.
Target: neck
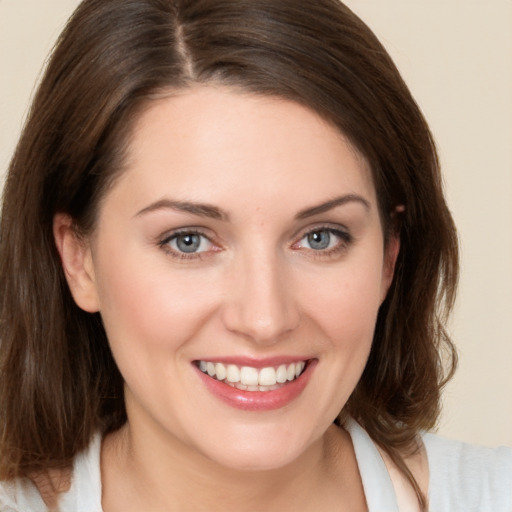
{"points": [[153, 473]]}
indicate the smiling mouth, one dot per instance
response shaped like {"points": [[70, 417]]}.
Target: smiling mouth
{"points": [[248, 378]]}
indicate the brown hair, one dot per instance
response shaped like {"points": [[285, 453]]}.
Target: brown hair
{"points": [[58, 380]]}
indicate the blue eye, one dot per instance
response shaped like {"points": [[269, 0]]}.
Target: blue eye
{"points": [[324, 240], [188, 243], [319, 240]]}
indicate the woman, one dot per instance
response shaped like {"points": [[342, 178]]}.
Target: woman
{"points": [[225, 264]]}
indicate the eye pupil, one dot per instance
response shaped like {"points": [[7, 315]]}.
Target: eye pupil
{"points": [[188, 243], [319, 240]]}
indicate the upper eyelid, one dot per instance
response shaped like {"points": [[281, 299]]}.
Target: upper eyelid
{"points": [[327, 226], [169, 235]]}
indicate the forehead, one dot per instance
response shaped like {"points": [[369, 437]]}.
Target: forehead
{"points": [[216, 144]]}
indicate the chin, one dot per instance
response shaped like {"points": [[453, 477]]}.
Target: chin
{"points": [[258, 451], [244, 461]]}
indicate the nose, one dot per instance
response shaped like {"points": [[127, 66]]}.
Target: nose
{"points": [[260, 301]]}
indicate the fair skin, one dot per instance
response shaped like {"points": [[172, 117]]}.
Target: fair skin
{"points": [[210, 248]]}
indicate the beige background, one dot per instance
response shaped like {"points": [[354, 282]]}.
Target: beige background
{"points": [[457, 59]]}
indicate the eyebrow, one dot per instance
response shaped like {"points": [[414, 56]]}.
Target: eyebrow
{"points": [[200, 209], [333, 203], [213, 212]]}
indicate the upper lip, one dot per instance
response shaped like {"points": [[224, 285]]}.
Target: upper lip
{"points": [[256, 362]]}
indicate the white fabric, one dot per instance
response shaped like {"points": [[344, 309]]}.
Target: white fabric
{"points": [[468, 478], [83, 496], [463, 478], [378, 487]]}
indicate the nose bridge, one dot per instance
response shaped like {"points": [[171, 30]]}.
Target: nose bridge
{"points": [[260, 302]]}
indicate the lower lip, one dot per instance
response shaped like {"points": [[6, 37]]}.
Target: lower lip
{"points": [[259, 400]]}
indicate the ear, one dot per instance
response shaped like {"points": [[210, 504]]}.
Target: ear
{"points": [[391, 251], [77, 263]]}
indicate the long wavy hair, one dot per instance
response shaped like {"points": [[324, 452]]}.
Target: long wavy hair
{"points": [[58, 381]]}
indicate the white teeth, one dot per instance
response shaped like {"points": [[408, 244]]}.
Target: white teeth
{"points": [[220, 371], [249, 376], [281, 374], [253, 379], [232, 373], [267, 377], [291, 372], [210, 368]]}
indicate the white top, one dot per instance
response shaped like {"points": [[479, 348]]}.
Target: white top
{"points": [[463, 478], [83, 496]]}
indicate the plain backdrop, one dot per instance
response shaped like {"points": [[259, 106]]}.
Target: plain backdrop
{"points": [[456, 57]]}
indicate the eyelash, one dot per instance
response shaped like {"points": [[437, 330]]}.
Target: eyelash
{"points": [[164, 244], [345, 240]]}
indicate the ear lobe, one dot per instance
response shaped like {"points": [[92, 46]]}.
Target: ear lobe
{"points": [[391, 252], [76, 259]]}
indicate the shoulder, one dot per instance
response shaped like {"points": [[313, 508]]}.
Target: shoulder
{"points": [[467, 477], [20, 495], [77, 490]]}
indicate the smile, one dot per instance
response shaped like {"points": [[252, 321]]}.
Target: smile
{"points": [[252, 385], [248, 378]]}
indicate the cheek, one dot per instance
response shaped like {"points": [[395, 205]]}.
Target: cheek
{"points": [[347, 304], [146, 306], [342, 314]]}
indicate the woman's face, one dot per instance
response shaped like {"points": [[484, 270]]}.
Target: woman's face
{"points": [[243, 244]]}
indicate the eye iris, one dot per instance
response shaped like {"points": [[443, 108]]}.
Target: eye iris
{"points": [[319, 240], [188, 243]]}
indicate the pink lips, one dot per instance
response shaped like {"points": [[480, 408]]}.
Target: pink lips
{"points": [[258, 400]]}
